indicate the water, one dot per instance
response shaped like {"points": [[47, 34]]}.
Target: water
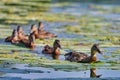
{"points": [[23, 71]]}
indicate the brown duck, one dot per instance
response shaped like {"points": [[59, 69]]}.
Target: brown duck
{"points": [[82, 57], [53, 50], [34, 30], [40, 32], [13, 38], [29, 43]]}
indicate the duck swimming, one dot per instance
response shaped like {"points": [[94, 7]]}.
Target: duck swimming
{"points": [[82, 57], [39, 31], [13, 38], [35, 32], [29, 43], [43, 32], [53, 50]]}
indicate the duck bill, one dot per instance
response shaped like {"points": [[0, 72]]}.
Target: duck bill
{"points": [[59, 46], [99, 51]]}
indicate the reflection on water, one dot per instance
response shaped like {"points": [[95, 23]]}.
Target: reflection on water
{"points": [[93, 73], [55, 56], [24, 72]]}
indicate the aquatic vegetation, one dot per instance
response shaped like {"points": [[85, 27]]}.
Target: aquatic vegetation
{"points": [[72, 28], [91, 26], [116, 9]]}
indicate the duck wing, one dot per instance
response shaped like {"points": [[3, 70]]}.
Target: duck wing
{"points": [[47, 49], [8, 39], [75, 56]]}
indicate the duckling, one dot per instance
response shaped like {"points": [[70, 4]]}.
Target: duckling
{"points": [[41, 31], [13, 38], [34, 30], [21, 35], [52, 50], [82, 57], [29, 43]]}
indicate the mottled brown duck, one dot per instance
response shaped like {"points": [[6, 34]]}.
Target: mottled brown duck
{"points": [[82, 57], [55, 50], [52, 50], [34, 30], [39, 32]]}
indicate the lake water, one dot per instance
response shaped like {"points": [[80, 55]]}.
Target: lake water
{"points": [[24, 72]]}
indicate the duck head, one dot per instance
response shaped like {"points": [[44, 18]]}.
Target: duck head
{"points": [[33, 28], [40, 26], [95, 48], [14, 33], [19, 29], [32, 40], [56, 44], [14, 36]]}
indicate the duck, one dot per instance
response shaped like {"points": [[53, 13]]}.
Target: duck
{"points": [[83, 57], [40, 33], [21, 34], [34, 30], [13, 38], [55, 50], [29, 43]]}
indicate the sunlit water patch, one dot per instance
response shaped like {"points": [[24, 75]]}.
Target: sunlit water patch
{"points": [[74, 8]]}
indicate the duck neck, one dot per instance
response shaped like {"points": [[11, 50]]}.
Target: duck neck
{"points": [[93, 56], [56, 50], [32, 45]]}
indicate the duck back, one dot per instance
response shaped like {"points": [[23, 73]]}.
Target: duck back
{"points": [[75, 56]]}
